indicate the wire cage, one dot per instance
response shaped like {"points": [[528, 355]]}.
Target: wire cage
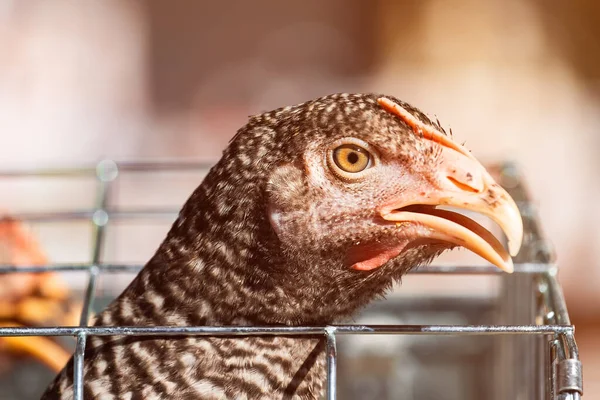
{"points": [[516, 342]]}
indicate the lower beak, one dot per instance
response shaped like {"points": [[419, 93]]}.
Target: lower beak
{"points": [[456, 229], [458, 181]]}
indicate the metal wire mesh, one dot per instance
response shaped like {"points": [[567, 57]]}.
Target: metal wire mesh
{"points": [[563, 379]]}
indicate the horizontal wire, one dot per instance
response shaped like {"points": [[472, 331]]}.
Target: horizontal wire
{"points": [[285, 330], [87, 214], [526, 268], [13, 269], [123, 166]]}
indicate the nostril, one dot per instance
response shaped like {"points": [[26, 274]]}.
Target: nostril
{"points": [[462, 186]]}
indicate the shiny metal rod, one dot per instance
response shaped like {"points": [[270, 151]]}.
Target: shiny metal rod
{"points": [[99, 219], [331, 354], [525, 268], [78, 366], [106, 268], [123, 166], [84, 215], [286, 330]]}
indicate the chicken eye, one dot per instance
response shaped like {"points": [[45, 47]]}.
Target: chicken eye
{"points": [[351, 158]]}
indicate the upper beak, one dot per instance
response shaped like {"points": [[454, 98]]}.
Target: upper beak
{"points": [[459, 181]]}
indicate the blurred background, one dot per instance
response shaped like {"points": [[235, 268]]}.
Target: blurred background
{"points": [[516, 80]]}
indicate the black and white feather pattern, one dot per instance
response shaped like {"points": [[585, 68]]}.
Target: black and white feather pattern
{"points": [[223, 264]]}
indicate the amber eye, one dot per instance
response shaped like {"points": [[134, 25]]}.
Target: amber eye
{"points": [[351, 158]]}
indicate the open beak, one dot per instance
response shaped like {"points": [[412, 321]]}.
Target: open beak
{"points": [[459, 181]]}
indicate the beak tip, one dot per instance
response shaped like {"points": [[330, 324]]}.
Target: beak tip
{"points": [[514, 247], [509, 266], [506, 265]]}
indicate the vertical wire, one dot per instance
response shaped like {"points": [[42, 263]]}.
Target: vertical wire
{"points": [[78, 367], [331, 354], [105, 172]]}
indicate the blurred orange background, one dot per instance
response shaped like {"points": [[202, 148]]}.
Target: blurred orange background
{"points": [[516, 80]]}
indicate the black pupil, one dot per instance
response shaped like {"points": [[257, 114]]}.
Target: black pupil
{"points": [[353, 157]]}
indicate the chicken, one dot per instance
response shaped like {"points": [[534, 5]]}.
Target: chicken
{"points": [[312, 212]]}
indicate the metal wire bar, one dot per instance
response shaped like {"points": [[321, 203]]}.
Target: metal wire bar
{"points": [[564, 370], [106, 268], [556, 311], [123, 166], [567, 383], [286, 330], [526, 268], [78, 366], [331, 354], [535, 258], [88, 300], [518, 291], [61, 216], [519, 268], [164, 165], [557, 299], [569, 396]]}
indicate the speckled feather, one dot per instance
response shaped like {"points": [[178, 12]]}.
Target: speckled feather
{"points": [[222, 263]]}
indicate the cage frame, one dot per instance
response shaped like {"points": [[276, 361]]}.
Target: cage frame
{"points": [[535, 259]]}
